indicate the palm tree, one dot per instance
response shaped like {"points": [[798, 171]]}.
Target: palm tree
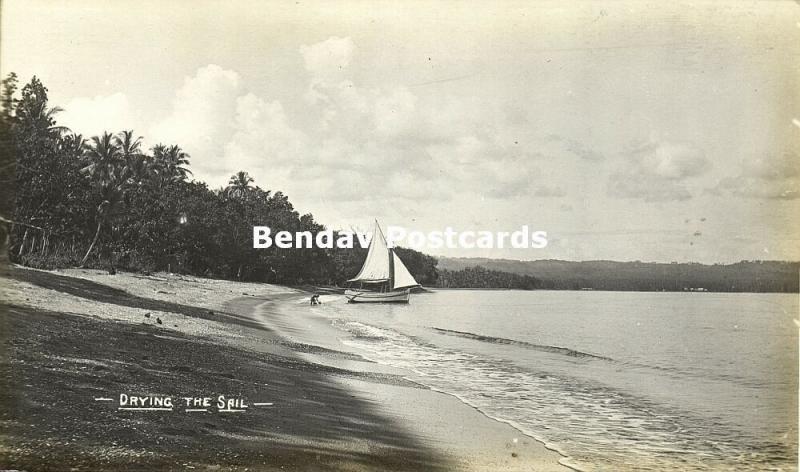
{"points": [[71, 144], [171, 162], [104, 159], [239, 185], [106, 168], [41, 117], [138, 166], [139, 169], [178, 159], [128, 145], [159, 163]]}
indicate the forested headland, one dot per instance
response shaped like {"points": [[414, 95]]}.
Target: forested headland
{"points": [[107, 202], [744, 276]]}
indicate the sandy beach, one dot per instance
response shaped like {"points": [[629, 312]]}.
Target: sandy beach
{"points": [[75, 340]]}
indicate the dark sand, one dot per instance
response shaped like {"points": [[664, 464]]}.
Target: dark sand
{"points": [[54, 364]]}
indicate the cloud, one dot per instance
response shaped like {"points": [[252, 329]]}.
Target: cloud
{"points": [[481, 165], [550, 191], [658, 172], [354, 143], [776, 178], [647, 188], [572, 147], [402, 147], [395, 113], [93, 116], [672, 161], [202, 118], [328, 58], [262, 135]]}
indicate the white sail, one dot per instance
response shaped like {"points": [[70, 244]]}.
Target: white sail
{"points": [[376, 266], [402, 277]]}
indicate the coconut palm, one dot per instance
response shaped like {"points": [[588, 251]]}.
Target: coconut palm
{"points": [[139, 169], [170, 163], [71, 144], [239, 185], [105, 166], [128, 145], [138, 166], [104, 159], [178, 161]]}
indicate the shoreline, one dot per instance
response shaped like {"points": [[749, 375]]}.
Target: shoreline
{"points": [[485, 452], [320, 334], [332, 410], [484, 455]]}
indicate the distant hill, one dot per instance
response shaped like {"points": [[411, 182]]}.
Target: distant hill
{"points": [[746, 276]]}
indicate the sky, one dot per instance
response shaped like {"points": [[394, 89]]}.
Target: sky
{"points": [[628, 130]]}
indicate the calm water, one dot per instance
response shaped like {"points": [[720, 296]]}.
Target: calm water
{"points": [[613, 380]]}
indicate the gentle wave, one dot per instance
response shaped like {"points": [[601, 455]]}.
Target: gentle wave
{"points": [[513, 342], [673, 371], [594, 426]]}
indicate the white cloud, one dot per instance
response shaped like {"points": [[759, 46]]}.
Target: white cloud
{"points": [[784, 166], [93, 116], [775, 178], [395, 113], [550, 191], [356, 143], [202, 116], [554, 143], [401, 147], [328, 58], [647, 188], [658, 172], [673, 161], [262, 136]]}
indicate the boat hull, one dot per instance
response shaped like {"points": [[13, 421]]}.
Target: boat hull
{"points": [[365, 296]]}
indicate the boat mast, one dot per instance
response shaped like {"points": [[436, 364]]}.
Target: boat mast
{"points": [[389, 255], [391, 271]]}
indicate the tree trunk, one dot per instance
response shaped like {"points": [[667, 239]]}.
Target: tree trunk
{"points": [[94, 241], [5, 249], [22, 244]]}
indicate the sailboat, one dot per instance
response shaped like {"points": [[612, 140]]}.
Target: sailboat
{"points": [[383, 278]]}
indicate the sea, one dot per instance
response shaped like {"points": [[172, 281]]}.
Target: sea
{"points": [[611, 380]]}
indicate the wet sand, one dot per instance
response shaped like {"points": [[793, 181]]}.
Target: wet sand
{"points": [[70, 338]]}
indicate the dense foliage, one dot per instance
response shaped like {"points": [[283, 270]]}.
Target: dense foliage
{"points": [[106, 202], [479, 277], [7, 166]]}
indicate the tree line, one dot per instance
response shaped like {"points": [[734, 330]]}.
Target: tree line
{"points": [[106, 202], [480, 277], [744, 276]]}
